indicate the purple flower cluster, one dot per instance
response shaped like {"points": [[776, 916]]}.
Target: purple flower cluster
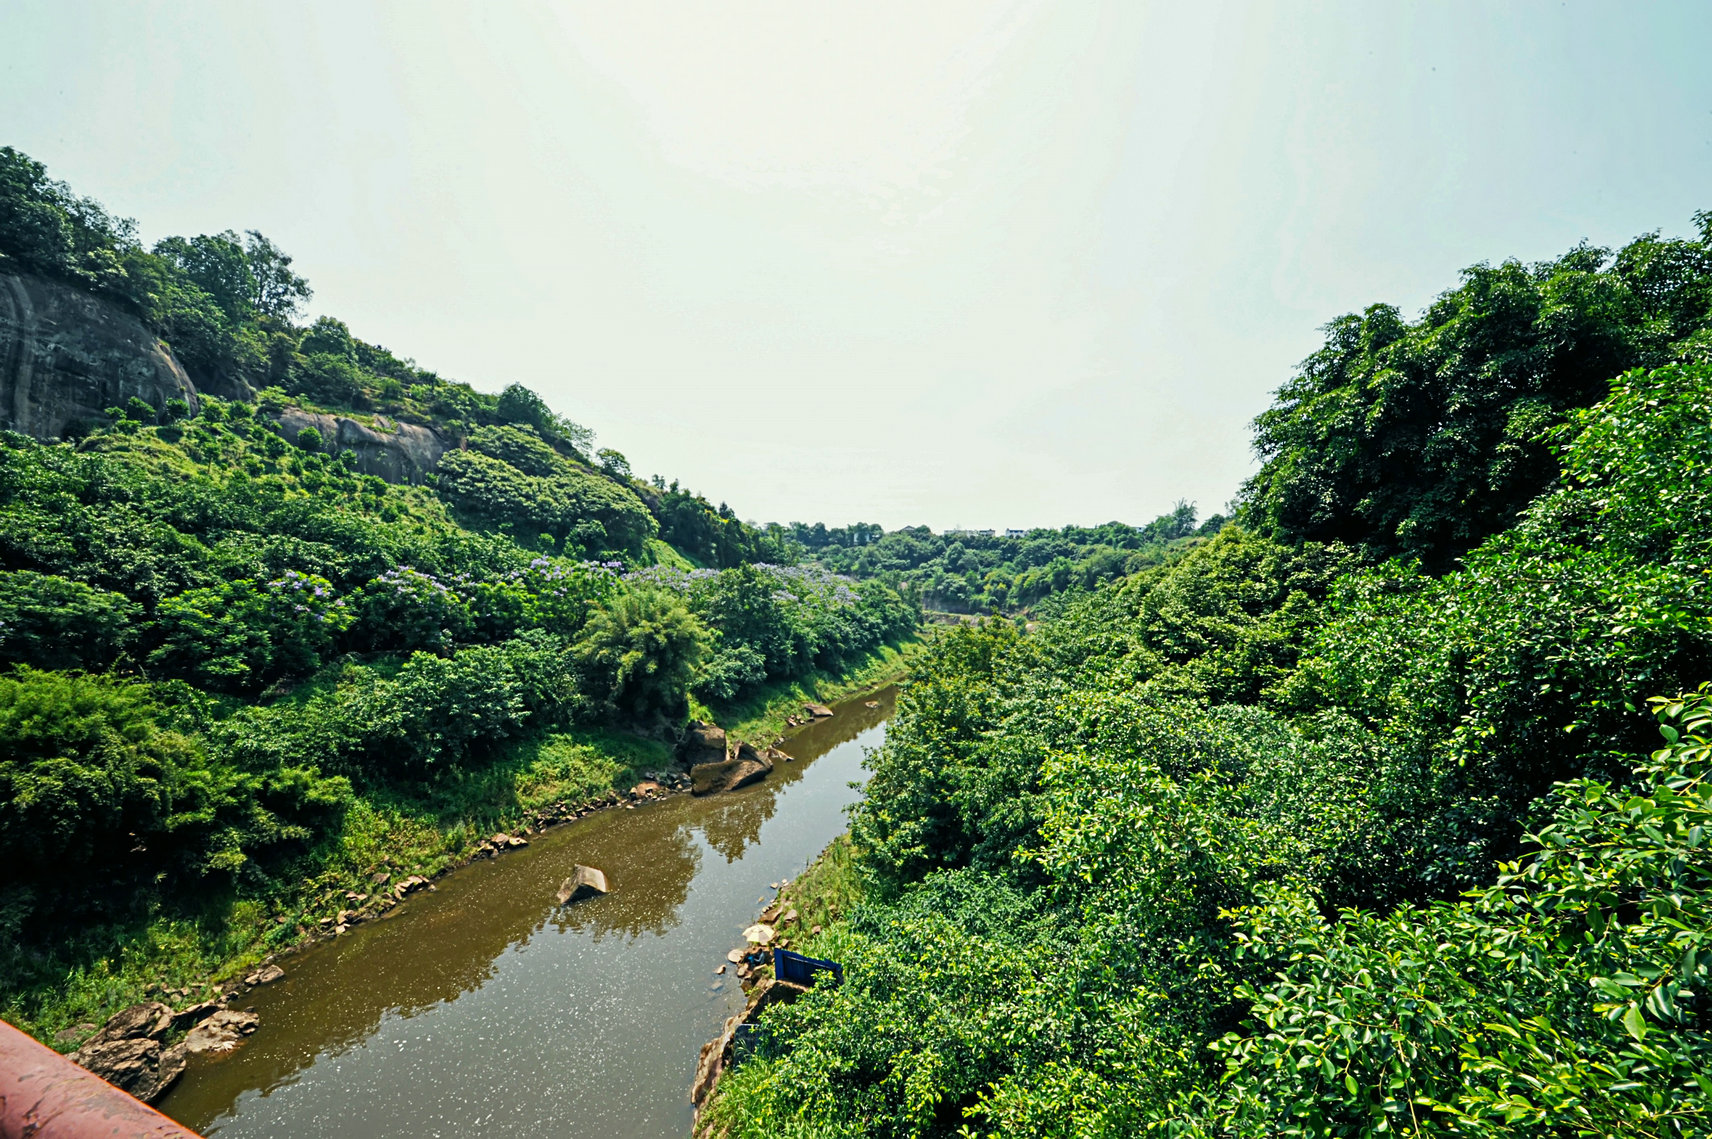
{"points": [[810, 584], [309, 589], [668, 577], [405, 580]]}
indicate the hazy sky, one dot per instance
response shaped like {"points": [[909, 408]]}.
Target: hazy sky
{"points": [[967, 264]]}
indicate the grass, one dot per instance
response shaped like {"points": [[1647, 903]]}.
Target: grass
{"points": [[826, 891], [760, 717], [87, 976], [196, 944]]}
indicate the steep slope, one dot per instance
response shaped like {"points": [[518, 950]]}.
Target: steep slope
{"points": [[66, 357], [282, 614]]}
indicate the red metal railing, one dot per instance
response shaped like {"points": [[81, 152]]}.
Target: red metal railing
{"points": [[45, 1096]]}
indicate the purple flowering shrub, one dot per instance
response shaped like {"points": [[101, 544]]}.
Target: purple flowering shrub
{"points": [[406, 608], [242, 635]]}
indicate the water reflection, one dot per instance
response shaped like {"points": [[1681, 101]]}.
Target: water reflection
{"points": [[483, 1004]]}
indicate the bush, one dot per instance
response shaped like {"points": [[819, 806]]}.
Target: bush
{"points": [[638, 654], [53, 622]]}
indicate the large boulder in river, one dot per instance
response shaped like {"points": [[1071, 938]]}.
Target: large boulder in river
{"points": [[584, 882], [817, 711], [746, 767], [702, 743], [222, 1032]]}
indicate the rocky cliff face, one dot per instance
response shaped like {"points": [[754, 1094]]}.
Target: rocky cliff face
{"points": [[65, 357], [396, 452]]}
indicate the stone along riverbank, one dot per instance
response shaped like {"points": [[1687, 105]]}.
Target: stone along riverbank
{"points": [[486, 1005]]}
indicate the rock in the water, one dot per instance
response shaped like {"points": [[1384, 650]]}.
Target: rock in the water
{"points": [[194, 1014], [138, 1065], [410, 885], [702, 743], [584, 882], [870, 703], [266, 975], [221, 1032], [646, 789], [817, 711], [746, 767]]}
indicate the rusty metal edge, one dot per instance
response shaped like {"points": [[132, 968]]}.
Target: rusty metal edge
{"points": [[45, 1096]]}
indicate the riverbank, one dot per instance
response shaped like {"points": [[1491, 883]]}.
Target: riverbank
{"points": [[200, 948], [423, 1021], [800, 913], [761, 718]]}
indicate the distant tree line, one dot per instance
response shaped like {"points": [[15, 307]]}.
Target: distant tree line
{"points": [[974, 573]]}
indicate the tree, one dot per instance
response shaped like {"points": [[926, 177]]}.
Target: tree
{"points": [[278, 291], [638, 653], [1420, 439], [613, 464], [218, 265], [517, 404]]}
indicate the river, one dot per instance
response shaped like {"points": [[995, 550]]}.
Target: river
{"points": [[482, 1007]]}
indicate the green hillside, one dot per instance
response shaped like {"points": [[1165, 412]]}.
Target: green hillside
{"points": [[245, 677], [1385, 811]]}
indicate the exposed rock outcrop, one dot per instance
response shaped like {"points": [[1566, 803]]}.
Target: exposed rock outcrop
{"points": [[222, 1032], [702, 743], [746, 767], [141, 1065], [128, 1051], [584, 882], [396, 452], [66, 356]]}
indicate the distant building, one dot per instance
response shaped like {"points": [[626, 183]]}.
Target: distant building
{"points": [[970, 533], [1016, 533]]}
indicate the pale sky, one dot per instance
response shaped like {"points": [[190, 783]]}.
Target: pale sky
{"points": [[962, 264]]}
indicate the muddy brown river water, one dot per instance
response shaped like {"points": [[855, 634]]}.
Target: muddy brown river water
{"points": [[481, 1008]]}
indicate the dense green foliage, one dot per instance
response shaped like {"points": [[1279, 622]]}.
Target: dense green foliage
{"points": [[226, 307], [965, 572], [773, 623], [208, 557], [242, 675], [1277, 839], [1420, 439]]}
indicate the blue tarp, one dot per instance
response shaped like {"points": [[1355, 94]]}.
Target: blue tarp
{"points": [[800, 970]]}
